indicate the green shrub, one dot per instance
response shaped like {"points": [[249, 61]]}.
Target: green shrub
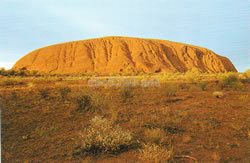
{"points": [[231, 80], [14, 95], [2, 71], [64, 92], [84, 103], [20, 72], [170, 76], [193, 75], [91, 102], [203, 86], [34, 73], [247, 73], [103, 137], [11, 72], [127, 93], [44, 93]]}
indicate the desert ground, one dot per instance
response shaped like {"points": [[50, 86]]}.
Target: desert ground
{"points": [[151, 118]]}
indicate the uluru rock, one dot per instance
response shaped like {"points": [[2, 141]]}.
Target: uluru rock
{"points": [[110, 55]]}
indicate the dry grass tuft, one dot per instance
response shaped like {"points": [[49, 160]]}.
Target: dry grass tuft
{"points": [[154, 135], [104, 137], [244, 98], [170, 90], [155, 153], [218, 94]]}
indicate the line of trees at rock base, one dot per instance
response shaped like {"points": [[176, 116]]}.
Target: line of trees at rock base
{"points": [[20, 72], [24, 72]]}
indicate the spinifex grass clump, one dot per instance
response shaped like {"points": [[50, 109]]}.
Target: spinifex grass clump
{"points": [[103, 137]]}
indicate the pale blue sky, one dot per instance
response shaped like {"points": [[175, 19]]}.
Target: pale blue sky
{"points": [[220, 25]]}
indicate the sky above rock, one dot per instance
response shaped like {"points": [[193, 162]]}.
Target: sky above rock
{"points": [[220, 25]]}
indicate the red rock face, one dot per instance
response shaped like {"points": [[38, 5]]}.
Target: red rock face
{"points": [[111, 55]]}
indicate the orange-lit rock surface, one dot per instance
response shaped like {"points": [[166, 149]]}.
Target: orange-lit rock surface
{"points": [[111, 55]]}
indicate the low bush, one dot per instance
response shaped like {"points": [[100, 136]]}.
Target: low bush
{"points": [[247, 74], [193, 75], [156, 153], [12, 82], [103, 137], [2, 71], [230, 80], [170, 76], [20, 72], [84, 103], [91, 102]]}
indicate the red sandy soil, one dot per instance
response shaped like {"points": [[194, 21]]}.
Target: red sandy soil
{"points": [[207, 128]]}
